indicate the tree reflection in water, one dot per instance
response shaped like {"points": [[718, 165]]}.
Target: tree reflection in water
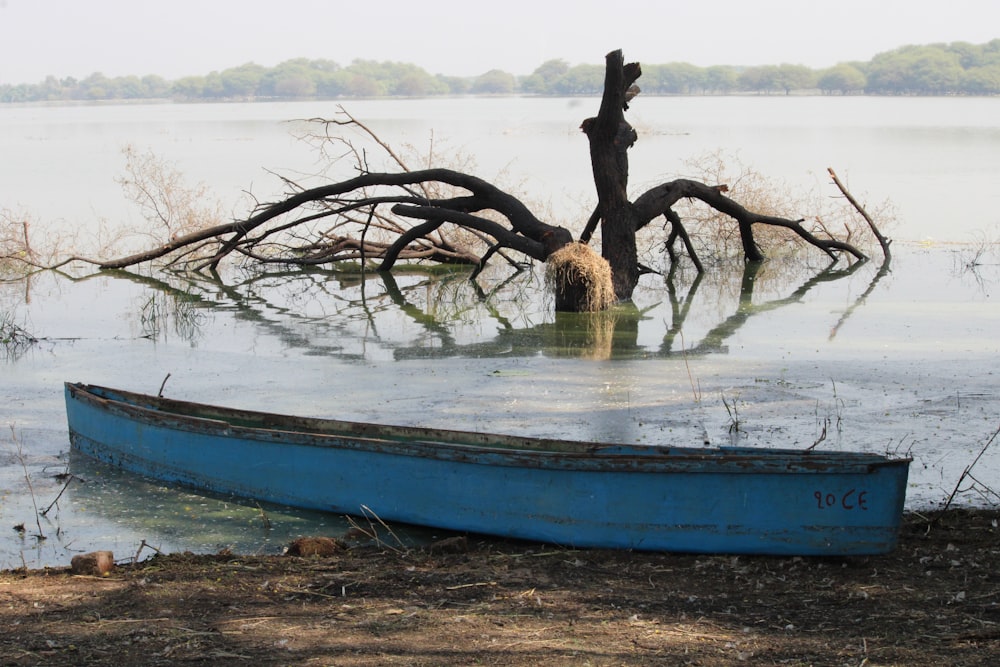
{"points": [[367, 315]]}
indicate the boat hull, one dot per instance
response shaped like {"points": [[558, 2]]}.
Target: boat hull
{"points": [[723, 500]]}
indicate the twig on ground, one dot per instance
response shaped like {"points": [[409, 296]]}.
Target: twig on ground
{"points": [[372, 532], [145, 545]]}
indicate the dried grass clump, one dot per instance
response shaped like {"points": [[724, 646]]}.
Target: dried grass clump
{"points": [[580, 279]]}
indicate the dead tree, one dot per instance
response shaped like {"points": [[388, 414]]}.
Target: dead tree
{"points": [[380, 219]]}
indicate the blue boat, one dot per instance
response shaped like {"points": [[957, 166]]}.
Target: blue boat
{"points": [[578, 494]]}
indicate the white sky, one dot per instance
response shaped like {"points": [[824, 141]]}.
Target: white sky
{"points": [[463, 37]]}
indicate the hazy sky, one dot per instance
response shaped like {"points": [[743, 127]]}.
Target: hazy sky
{"points": [[463, 37]]}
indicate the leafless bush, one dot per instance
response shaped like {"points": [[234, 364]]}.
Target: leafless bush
{"points": [[14, 339], [983, 250], [17, 256], [717, 237], [165, 199]]}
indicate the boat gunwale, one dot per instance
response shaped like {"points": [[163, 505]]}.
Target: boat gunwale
{"points": [[422, 441]]}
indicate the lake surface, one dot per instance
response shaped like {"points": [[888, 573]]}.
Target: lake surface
{"points": [[905, 362]]}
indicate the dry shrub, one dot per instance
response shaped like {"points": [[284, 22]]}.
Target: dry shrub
{"points": [[580, 279], [26, 245], [16, 254], [165, 199], [716, 235], [14, 339]]}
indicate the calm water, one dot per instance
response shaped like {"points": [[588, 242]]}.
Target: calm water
{"points": [[905, 362], [934, 158]]}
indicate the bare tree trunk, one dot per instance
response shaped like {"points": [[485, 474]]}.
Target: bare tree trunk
{"points": [[610, 138]]}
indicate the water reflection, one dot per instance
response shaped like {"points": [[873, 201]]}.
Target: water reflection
{"points": [[714, 340], [171, 310], [882, 272], [367, 315]]}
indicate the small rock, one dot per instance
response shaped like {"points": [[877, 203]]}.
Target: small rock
{"points": [[313, 546], [95, 564]]}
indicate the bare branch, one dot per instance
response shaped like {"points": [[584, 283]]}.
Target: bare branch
{"points": [[658, 200], [882, 240]]}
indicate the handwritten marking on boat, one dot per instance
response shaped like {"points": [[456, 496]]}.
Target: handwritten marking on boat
{"points": [[851, 500]]}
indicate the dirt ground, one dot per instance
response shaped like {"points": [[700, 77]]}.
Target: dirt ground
{"points": [[934, 601]]}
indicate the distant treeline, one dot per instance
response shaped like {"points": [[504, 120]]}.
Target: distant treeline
{"points": [[959, 68]]}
